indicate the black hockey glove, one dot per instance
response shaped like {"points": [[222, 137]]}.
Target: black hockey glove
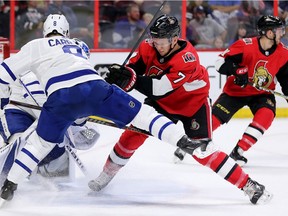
{"points": [[241, 76], [124, 77], [189, 145]]}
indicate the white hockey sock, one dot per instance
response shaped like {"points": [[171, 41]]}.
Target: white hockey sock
{"points": [[158, 125], [29, 157]]}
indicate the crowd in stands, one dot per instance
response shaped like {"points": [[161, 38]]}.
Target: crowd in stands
{"points": [[211, 24]]}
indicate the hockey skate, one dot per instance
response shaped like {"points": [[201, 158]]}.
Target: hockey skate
{"points": [[179, 155], [101, 181], [7, 191], [256, 192], [237, 155], [189, 145], [108, 173]]}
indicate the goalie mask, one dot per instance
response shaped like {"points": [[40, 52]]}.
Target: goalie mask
{"points": [[56, 23]]}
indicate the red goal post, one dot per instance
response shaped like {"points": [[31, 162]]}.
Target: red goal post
{"points": [[4, 48]]}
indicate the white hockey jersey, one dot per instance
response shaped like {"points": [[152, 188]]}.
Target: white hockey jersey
{"points": [[56, 61]]}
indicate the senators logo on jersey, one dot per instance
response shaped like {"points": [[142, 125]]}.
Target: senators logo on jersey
{"points": [[154, 71], [261, 76]]}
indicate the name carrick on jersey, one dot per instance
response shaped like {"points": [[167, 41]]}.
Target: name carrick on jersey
{"points": [[180, 85], [265, 68], [56, 61]]}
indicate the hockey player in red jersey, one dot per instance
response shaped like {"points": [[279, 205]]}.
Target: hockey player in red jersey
{"points": [[261, 61], [167, 70]]}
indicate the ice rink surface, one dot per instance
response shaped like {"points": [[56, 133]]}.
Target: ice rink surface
{"points": [[152, 185]]}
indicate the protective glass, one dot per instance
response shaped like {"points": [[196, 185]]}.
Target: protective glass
{"points": [[280, 30]]}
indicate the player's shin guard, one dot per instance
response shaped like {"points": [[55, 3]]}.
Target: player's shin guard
{"points": [[225, 167], [262, 120], [28, 158], [158, 125]]}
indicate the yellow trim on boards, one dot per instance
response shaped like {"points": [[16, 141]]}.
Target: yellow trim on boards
{"points": [[246, 113]]}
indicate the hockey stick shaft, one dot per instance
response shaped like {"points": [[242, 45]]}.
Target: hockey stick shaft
{"points": [[143, 33], [94, 119], [268, 90]]}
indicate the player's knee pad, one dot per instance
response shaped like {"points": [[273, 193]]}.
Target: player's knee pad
{"points": [[131, 140], [158, 125], [209, 150], [263, 118]]}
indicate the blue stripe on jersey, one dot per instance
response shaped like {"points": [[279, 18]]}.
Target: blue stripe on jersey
{"points": [[69, 76], [9, 71], [163, 128], [153, 121], [30, 155], [3, 82], [34, 93], [32, 83], [23, 166], [9, 160]]}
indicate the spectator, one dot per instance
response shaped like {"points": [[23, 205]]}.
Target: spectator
{"points": [[57, 7], [240, 34], [4, 20], [223, 10], [89, 38], [128, 28], [28, 24], [205, 29]]}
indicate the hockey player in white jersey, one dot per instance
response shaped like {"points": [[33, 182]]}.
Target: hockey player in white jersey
{"points": [[17, 119], [74, 90]]}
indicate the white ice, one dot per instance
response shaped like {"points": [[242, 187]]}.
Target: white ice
{"points": [[151, 184]]}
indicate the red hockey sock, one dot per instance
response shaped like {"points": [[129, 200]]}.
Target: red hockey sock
{"points": [[262, 120], [225, 167], [215, 123]]}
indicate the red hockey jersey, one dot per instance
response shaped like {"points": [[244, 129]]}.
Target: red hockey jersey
{"points": [[262, 69], [180, 85]]}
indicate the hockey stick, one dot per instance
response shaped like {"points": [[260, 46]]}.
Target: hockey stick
{"points": [[268, 90], [143, 33], [94, 119]]}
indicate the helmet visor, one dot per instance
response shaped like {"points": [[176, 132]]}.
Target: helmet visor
{"points": [[160, 42]]}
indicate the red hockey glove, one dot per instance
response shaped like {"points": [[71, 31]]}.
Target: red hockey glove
{"points": [[124, 77], [241, 76]]}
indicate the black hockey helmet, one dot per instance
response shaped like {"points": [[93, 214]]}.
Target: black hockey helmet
{"points": [[165, 27], [269, 22]]}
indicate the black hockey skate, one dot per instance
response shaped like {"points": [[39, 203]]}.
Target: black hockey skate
{"points": [[256, 192], [237, 155], [189, 145], [179, 155], [7, 190]]}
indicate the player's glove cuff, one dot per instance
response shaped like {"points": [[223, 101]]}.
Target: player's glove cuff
{"points": [[124, 77]]}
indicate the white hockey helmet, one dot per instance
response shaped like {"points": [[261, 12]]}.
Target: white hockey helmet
{"points": [[56, 23]]}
